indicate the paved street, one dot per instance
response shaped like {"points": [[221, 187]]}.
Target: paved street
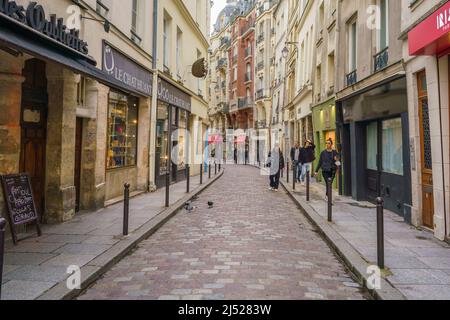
{"points": [[254, 244]]}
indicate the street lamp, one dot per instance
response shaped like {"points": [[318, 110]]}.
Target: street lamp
{"points": [[106, 23]]}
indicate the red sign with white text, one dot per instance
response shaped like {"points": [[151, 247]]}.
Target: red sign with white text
{"points": [[432, 36]]}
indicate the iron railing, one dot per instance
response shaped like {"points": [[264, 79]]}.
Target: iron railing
{"points": [[381, 59], [351, 78]]}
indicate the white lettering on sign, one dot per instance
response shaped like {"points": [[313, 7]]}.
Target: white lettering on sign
{"points": [[443, 20]]}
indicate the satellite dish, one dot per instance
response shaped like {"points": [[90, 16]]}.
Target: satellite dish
{"points": [[200, 69]]}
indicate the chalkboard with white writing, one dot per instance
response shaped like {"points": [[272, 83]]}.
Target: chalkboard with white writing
{"points": [[19, 201]]}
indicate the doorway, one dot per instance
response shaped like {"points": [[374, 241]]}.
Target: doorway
{"points": [[384, 163], [425, 153], [34, 128], [78, 152]]}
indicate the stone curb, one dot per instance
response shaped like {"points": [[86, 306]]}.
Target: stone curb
{"points": [[104, 262], [352, 259]]}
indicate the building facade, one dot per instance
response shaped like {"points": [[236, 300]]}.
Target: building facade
{"points": [[425, 32]]}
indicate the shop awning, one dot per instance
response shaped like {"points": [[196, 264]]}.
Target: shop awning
{"points": [[432, 36], [27, 42]]}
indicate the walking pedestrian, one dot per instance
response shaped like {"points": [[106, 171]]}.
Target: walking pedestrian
{"points": [[295, 158], [307, 157], [276, 164], [328, 163]]}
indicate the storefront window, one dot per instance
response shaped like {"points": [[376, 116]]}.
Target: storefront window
{"points": [[372, 146], [182, 140], [393, 146], [162, 125], [122, 130]]}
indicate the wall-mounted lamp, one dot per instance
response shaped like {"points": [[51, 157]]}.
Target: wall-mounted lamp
{"points": [[106, 23]]}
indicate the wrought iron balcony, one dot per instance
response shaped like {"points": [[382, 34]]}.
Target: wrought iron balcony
{"points": [[261, 124], [381, 59], [260, 94], [222, 64], [224, 107], [260, 66], [244, 103], [260, 38], [225, 41], [224, 84], [248, 77], [351, 78]]}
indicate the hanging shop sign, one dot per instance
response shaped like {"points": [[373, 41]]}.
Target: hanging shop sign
{"points": [[432, 36], [34, 16], [172, 95], [121, 68]]}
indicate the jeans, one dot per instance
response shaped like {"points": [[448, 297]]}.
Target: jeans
{"points": [[298, 173], [275, 181], [306, 169]]}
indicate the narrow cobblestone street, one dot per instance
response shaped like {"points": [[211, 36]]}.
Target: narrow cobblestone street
{"points": [[253, 244]]}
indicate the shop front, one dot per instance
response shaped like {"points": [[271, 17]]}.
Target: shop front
{"points": [[428, 74], [54, 101], [376, 131], [172, 135]]}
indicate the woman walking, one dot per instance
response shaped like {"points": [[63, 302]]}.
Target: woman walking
{"points": [[328, 163]]}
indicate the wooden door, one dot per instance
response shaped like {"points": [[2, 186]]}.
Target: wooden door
{"points": [[78, 152], [426, 157], [34, 128]]}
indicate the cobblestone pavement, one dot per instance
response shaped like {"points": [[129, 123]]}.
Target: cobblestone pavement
{"points": [[253, 244]]}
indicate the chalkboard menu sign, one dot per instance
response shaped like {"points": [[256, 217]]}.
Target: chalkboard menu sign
{"points": [[19, 201]]}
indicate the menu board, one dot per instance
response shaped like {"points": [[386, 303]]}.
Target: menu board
{"points": [[19, 201]]}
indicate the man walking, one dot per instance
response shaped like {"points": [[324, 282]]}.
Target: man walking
{"points": [[307, 157], [276, 164], [295, 158], [328, 163]]}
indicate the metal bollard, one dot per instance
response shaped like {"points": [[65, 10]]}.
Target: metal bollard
{"points": [[287, 172], [294, 178], [188, 178], [308, 184], [209, 170], [380, 232], [220, 167], [215, 168], [2, 249], [126, 208], [330, 199], [201, 174]]}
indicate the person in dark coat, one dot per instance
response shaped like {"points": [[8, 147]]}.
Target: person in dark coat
{"points": [[307, 157], [295, 158], [276, 163], [328, 163]]}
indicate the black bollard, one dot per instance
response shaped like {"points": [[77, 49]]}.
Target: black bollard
{"points": [[215, 168], [209, 170], [220, 167], [330, 199], [188, 178], [380, 232], [294, 178], [2, 249], [167, 204], [308, 184], [126, 208], [201, 174], [287, 172]]}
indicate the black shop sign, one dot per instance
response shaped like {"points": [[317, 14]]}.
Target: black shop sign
{"points": [[34, 17], [19, 200]]}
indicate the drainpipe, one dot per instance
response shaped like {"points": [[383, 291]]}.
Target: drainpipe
{"points": [[152, 129], [442, 146]]}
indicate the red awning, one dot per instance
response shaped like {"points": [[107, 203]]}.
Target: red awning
{"points": [[432, 36], [215, 138]]}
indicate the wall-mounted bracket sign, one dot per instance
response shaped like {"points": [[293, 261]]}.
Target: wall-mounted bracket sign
{"points": [[19, 202], [33, 16]]}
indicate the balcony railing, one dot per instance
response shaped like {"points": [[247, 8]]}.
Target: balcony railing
{"points": [[248, 77], [260, 66], [260, 94], [248, 52], [381, 60], [225, 41], [222, 63], [235, 58], [245, 103], [261, 124], [224, 84], [351, 78], [260, 38], [224, 107]]}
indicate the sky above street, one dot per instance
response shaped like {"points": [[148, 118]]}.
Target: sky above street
{"points": [[217, 7]]}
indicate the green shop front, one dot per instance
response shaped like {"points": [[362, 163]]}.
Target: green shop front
{"points": [[324, 124]]}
